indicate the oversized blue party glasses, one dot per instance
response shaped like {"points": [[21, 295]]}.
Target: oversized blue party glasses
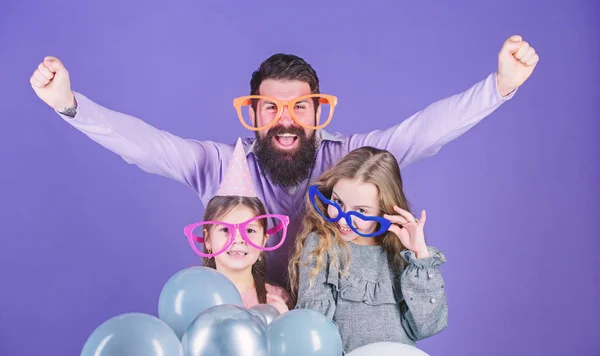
{"points": [[353, 218]]}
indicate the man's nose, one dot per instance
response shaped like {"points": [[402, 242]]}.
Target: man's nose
{"points": [[286, 117]]}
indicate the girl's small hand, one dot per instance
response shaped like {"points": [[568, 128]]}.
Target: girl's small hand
{"points": [[277, 302], [410, 231]]}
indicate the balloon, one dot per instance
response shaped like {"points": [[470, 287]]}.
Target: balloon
{"points": [[268, 312], [133, 334], [226, 330], [304, 332], [387, 348], [259, 315], [191, 291]]}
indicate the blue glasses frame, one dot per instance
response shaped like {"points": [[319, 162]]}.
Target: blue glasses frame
{"points": [[384, 224]]}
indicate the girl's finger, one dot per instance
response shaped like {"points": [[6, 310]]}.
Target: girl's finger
{"points": [[406, 214], [395, 229], [396, 219], [423, 217]]}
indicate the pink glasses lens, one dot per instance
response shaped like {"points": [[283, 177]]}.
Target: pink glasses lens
{"points": [[275, 226], [220, 236]]}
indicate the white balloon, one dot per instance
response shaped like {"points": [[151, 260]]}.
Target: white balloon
{"points": [[387, 348]]}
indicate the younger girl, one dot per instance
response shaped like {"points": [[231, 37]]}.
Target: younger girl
{"points": [[234, 233], [362, 259]]}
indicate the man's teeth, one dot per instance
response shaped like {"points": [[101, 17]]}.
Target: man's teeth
{"points": [[286, 135], [237, 253]]}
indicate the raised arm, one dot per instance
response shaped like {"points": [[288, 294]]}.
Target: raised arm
{"points": [[426, 132], [197, 164]]}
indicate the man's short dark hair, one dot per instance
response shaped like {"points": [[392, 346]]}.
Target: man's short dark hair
{"points": [[282, 66]]}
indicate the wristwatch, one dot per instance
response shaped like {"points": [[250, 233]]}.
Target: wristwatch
{"points": [[70, 111]]}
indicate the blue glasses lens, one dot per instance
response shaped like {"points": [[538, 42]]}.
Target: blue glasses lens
{"points": [[332, 212], [368, 226]]}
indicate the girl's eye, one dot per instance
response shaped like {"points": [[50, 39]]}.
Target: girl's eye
{"points": [[224, 229], [337, 201], [362, 211], [250, 231]]}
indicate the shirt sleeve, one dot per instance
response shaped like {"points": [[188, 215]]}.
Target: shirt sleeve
{"points": [[424, 133], [424, 309], [197, 164]]}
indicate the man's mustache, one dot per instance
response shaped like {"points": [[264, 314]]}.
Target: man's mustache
{"points": [[280, 130]]}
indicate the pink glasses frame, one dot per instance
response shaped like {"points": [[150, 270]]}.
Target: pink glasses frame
{"points": [[234, 228]]}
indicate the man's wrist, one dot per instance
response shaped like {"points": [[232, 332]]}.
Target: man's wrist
{"points": [[69, 110], [503, 89]]}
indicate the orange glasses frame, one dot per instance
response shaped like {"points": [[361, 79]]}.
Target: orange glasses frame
{"points": [[238, 103]]}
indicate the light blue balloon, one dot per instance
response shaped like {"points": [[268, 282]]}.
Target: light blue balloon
{"points": [[191, 291], [267, 312], [304, 332], [387, 348], [260, 315], [133, 334], [227, 330]]}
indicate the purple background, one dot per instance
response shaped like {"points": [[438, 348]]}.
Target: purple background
{"points": [[513, 203]]}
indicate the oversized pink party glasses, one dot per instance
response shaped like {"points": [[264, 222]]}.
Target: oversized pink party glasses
{"points": [[256, 232]]}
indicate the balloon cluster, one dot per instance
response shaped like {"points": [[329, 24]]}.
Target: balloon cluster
{"points": [[200, 312]]}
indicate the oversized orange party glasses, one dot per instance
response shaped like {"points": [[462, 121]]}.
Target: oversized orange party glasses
{"points": [[258, 112]]}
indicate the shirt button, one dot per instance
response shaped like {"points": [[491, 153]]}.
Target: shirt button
{"points": [[433, 300]]}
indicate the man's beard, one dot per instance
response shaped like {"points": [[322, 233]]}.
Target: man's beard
{"points": [[282, 168]]}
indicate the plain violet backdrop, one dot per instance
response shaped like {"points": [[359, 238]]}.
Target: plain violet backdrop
{"points": [[514, 203]]}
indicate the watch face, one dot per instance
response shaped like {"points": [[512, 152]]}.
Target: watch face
{"points": [[72, 111]]}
